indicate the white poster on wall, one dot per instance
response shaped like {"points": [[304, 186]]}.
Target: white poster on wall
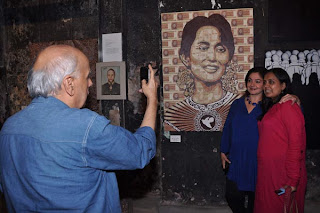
{"points": [[112, 47]]}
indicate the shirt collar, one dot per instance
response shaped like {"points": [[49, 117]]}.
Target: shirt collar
{"points": [[51, 100]]}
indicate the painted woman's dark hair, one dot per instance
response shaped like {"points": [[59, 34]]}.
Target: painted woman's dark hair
{"points": [[215, 20]]}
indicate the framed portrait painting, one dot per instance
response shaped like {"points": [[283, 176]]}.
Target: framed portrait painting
{"points": [[111, 80], [205, 56]]}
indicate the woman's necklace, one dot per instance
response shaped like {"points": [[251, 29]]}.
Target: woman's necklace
{"points": [[252, 103]]}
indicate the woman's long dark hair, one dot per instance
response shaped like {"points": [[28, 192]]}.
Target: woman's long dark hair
{"points": [[283, 77]]}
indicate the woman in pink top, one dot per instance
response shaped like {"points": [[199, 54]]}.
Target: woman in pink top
{"points": [[281, 149]]}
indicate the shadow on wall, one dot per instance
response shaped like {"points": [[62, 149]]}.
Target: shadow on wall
{"points": [[138, 183]]}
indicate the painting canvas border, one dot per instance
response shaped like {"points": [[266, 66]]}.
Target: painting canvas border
{"points": [[120, 69]]}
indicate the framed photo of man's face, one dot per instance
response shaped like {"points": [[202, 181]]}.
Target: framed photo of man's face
{"points": [[111, 80]]}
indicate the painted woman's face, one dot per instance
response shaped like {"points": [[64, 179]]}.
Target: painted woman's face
{"points": [[255, 84], [208, 56]]}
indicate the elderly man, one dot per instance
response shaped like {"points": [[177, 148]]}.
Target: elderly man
{"points": [[55, 156]]}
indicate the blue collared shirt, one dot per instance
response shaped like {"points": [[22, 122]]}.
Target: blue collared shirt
{"points": [[55, 158]]}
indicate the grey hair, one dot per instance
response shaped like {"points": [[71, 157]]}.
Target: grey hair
{"points": [[47, 80]]}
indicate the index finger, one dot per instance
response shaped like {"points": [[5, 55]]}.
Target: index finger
{"points": [[151, 72]]}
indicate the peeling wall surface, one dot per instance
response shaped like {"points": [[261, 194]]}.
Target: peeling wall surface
{"points": [[31, 26], [188, 172]]}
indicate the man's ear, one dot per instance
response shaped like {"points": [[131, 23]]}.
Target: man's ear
{"points": [[185, 60], [68, 84]]}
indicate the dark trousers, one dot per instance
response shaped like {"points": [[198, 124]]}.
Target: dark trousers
{"points": [[236, 198]]}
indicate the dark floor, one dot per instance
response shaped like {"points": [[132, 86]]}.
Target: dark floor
{"points": [[151, 204]]}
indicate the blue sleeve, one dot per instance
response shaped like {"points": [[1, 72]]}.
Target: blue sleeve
{"points": [[112, 147], [227, 130]]}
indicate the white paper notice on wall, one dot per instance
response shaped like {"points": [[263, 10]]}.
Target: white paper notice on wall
{"points": [[175, 138], [112, 47]]}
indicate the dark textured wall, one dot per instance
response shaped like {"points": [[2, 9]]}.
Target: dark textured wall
{"points": [[32, 25], [4, 107], [188, 172], [138, 21]]}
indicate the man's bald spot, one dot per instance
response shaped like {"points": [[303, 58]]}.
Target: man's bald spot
{"points": [[53, 52]]}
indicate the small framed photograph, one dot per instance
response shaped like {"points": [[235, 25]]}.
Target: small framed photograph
{"points": [[111, 80]]}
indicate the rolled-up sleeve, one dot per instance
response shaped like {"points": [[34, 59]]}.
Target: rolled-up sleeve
{"points": [[112, 147]]}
